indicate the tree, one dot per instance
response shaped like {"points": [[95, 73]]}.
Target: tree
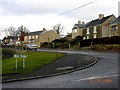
{"points": [[58, 28], [22, 30], [11, 31]]}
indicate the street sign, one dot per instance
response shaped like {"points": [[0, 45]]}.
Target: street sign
{"points": [[20, 56]]}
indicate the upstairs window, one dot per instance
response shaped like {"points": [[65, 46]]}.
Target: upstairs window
{"points": [[88, 31], [10, 39], [95, 29], [114, 28], [75, 31], [36, 36]]}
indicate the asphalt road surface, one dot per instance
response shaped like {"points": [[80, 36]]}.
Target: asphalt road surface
{"points": [[104, 74]]}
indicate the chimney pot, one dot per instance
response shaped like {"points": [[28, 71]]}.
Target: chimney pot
{"points": [[79, 22], [83, 22], [44, 29], [101, 16]]}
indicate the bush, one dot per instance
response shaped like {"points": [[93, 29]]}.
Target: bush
{"points": [[105, 40]]}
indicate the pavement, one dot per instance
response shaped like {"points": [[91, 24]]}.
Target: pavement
{"points": [[66, 64]]}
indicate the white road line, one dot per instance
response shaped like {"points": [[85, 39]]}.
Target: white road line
{"points": [[97, 77]]}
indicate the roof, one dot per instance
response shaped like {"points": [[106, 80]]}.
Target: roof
{"points": [[34, 33], [116, 20], [97, 21], [79, 26], [11, 37]]}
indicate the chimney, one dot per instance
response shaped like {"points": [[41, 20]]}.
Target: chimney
{"points": [[101, 16], [44, 29], [83, 22], [79, 22]]}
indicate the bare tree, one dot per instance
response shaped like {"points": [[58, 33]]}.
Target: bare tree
{"points": [[58, 28], [22, 30], [11, 31]]}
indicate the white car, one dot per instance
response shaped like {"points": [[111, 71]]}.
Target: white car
{"points": [[31, 46]]}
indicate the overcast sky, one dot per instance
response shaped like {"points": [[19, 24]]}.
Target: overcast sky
{"points": [[39, 14]]}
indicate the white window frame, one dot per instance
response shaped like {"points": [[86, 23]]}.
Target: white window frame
{"points": [[95, 36], [88, 31], [87, 37], [84, 38], [33, 37], [95, 29], [25, 38], [10, 39], [37, 36], [29, 37]]}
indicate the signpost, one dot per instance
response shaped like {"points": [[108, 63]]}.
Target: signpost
{"points": [[20, 56]]}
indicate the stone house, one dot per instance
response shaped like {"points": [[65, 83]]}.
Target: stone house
{"points": [[39, 37], [10, 40], [98, 28], [115, 27], [77, 29]]}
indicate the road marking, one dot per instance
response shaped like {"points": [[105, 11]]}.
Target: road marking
{"points": [[97, 77], [64, 68]]}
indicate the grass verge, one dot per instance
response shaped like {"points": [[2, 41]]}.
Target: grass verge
{"points": [[34, 61]]}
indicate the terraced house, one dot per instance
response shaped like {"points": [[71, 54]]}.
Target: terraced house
{"points": [[115, 27], [99, 28], [39, 37]]}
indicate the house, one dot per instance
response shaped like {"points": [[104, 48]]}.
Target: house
{"points": [[39, 37], [115, 27], [10, 40], [78, 28], [98, 28]]}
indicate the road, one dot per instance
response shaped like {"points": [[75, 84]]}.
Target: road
{"points": [[104, 74]]}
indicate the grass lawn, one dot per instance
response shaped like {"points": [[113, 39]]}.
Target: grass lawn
{"points": [[34, 61]]}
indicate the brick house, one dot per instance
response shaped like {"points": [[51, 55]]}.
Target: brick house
{"points": [[77, 29], [98, 28], [39, 37], [115, 27]]}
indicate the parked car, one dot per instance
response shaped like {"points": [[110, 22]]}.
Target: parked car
{"points": [[31, 46]]}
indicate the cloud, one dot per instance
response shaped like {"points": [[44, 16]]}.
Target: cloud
{"points": [[38, 14]]}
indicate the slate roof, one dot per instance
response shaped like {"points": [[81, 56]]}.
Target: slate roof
{"points": [[79, 25], [11, 37], [34, 33], [116, 20], [97, 21]]}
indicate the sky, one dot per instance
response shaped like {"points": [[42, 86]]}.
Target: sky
{"points": [[39, 14]]}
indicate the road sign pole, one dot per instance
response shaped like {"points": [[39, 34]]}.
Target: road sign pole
{"points": [[16, 62], [23, 62]]}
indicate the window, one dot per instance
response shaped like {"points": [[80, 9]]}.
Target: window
{"points": [[95, 29], [88, 31], [10, 39], [29, 37], [25, 38], [84, 38], [95, 36], [75, 31], [32, 37], [114, 28], [36, 36], [18, 38], [87, 37]]}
